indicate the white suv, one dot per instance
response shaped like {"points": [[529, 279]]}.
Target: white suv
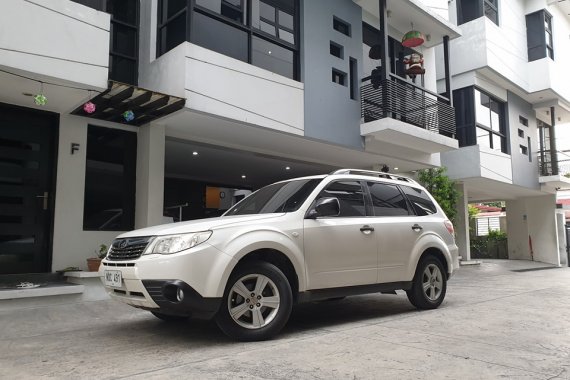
{"points": [[306, 239]]}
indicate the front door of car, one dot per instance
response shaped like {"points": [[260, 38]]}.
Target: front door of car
{"points": [[341, 250], [392, 222]]}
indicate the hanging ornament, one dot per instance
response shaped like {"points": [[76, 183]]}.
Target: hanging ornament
{"points": [[413, 38], [40, 99], [89, 107], [129, 115]]}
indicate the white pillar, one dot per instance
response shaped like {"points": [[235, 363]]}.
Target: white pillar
{"points": [[560, 225], [150, 176], [517, 230], [462, 223], [542, 228]]}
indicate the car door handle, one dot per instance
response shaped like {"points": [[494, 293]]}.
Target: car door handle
{"points": [[416, 227], [366, 229]]}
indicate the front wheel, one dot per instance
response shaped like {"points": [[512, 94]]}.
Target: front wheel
{"points": [[430, 284], [257, 302]]}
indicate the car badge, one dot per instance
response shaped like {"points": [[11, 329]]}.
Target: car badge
{"points": [[123, 244]]}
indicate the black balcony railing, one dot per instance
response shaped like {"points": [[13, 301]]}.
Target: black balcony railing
{"points": [[398, 99], [545, 167]]}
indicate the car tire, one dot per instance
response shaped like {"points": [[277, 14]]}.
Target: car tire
{"points": [[168, 317], [257, 302], [429, 284]]}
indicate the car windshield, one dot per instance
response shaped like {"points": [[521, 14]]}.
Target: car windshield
{"points": [[278, 197]]}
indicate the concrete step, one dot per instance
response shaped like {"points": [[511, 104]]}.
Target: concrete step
{"points": [[39, 289]]}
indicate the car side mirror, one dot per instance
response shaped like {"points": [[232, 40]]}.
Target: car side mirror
{"points": [[325, 207]]}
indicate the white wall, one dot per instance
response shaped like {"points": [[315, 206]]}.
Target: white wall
{"points": [[533, 217], [478, 161], [72, 245], [56, 39]]}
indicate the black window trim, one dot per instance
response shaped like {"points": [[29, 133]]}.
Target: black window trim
{"points": [[548, 29], [411, 205], [191, 7], [502, 133], [494, 7]]}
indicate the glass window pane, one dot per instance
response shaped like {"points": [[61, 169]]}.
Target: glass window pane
{"points": [[387, 200], [285, 20], [123, 10], [286, 36], [174, 33], [420, 201], [272, 57], [482, 112], [483, 137], [213, 5], [349, 195], [266, 11], [122, 69], [109, 180], [497, 142], [171, 7], [220, 37], [233, 9], [124, 40], [267, 28]]}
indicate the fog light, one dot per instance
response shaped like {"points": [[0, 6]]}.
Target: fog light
{"points": [[180, 295]]}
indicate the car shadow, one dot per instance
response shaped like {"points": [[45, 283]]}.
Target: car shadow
{"points": [[305, 320]]}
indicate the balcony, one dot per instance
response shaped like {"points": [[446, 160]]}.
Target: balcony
{"points": [[552, 170], [407, 115]]}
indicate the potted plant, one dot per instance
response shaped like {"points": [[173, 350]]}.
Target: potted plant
{"points": [[94, 262]]}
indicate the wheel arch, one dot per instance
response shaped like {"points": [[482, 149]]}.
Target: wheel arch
{"points": [[431, 245]]}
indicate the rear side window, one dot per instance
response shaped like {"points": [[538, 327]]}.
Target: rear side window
{"points": [[349, 195], [420, 201], [387, 200]]}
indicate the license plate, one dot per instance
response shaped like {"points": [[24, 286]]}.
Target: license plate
{"points": [[113, 278]]}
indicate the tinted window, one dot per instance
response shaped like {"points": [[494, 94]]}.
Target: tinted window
{"points": [[220, 37], [110, 180], [272, 57], [420, 201], [387, 200], [349, 195], [278, 197]]}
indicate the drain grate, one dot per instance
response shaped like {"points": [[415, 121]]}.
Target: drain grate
{"points": [[533, 269]]}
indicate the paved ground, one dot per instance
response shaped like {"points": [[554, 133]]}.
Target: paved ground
{"points": [[495, 323]]}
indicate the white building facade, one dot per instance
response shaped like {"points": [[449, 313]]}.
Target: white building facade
{"points": [[510, 91], [159, 110]]}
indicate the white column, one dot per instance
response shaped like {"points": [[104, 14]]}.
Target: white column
{"points": [[462, 223], [150, 176], [560, 225], [542, 228], [517, 230]]}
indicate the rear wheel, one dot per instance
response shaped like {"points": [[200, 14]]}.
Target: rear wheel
{"points": [[169, 318], [257, 302], [430, 284]]}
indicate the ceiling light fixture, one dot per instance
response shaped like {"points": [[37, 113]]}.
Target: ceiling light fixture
{"points": [[287, 168], [243, 176], [395, 168], [194, 153]]}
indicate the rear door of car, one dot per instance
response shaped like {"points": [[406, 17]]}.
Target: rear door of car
{"points": [[393, 223]]}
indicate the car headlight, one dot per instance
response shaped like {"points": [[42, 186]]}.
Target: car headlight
{"points": [[176, 243]]}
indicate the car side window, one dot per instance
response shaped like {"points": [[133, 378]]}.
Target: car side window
{"points": [[387, 200], [420, 201], [350, 197]]}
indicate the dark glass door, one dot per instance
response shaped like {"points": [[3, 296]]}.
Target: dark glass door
{"points": [[27, 149]]}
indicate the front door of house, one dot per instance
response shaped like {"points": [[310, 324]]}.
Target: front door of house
{"points": [[27, 150]]}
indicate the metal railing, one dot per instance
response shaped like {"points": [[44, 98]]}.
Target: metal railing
{"points": [[545, 167], [398, 99]]}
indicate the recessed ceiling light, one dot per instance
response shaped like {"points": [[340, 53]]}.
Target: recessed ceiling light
{"points": [[395, 168], [27, 94], [243, 176], [269, 52], [287, 168], [194, 153]]}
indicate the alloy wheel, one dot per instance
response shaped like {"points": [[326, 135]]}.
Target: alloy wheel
{"points": [[253, 301]]}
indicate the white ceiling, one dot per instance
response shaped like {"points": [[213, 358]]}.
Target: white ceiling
{"points": [[482, 189], [232, 148]]}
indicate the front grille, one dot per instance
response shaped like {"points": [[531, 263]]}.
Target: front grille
{"points": [[128, 248]]}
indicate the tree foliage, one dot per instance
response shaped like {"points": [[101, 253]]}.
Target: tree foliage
{"points": [[442, 188]]}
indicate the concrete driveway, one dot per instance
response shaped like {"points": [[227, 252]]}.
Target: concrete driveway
{"points": [[495, 323]]}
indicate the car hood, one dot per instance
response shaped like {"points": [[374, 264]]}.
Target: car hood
{"points": [[198, 225]]}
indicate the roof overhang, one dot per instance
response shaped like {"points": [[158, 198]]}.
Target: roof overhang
{"points": [[145, 105], [402, 13], [553, 183]]}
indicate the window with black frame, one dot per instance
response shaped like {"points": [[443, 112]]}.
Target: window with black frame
{"points": [[110, 175], [539, 38], [260, 32], [350, 197], [387, 200], [468, 10], [489, 122], [123, 48]]}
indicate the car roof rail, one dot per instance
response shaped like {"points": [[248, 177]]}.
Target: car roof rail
{"points": [[374, 174]]}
